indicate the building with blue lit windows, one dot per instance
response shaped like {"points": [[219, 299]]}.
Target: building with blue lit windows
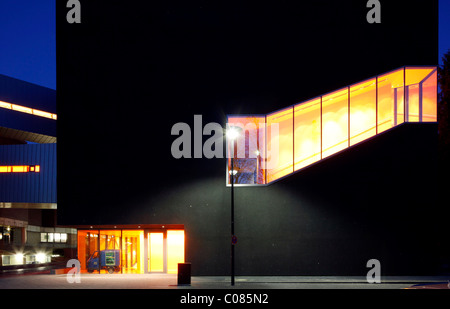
{"points": [[29, 235]]}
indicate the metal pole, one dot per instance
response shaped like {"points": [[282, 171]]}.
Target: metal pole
{"points": [[232, 218]]}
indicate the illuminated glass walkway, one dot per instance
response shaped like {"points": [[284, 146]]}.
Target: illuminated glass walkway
{"points": [[269, 147]]}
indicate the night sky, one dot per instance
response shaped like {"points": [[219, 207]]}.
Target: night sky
{"points": [[28, 39]]}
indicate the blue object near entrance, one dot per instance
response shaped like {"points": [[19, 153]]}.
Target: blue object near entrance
{"points": [[105, 259]]}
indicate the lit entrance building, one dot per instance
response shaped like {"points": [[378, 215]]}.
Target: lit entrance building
{"points": [[395, 106], [356, 176], [143, 248], [305, 134]]}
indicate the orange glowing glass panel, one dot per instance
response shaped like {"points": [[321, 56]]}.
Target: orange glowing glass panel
{"points": [[413, 102], [400, 103], [280, 151], [415, 75], [27, 110], [19, 168], [109, 239], [175, 250], [307, 124], [247, 149], [133, 251], [429, 98], [363, 101], [315, 129], [414, 92], [334, 122], [86, 246], [390, 100], [156, 252]]}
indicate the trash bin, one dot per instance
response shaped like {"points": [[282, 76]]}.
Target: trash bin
{"points": [[184, 273]]}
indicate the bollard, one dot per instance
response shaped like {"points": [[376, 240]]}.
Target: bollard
{"points": [[184, 273]]}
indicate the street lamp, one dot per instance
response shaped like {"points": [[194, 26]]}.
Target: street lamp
{"points": [[232, 134]]}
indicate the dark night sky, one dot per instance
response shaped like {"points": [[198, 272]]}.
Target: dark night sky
{"points": [[27, 35], [28, 39]]}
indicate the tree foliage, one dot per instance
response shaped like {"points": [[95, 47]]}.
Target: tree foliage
{"points": [[444, 78], [444, 110]]}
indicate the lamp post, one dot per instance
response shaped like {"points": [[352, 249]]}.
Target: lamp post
{"points": [[232, 218], [232, 134]]}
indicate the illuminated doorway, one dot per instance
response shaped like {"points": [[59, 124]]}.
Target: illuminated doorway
{"points": [[110, 240], [132, 251], [142, 250], [165, 251], [156, 254], [88, 243]]}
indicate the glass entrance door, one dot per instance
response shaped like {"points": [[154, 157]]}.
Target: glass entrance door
{"points": [[132, 251], [175, 250], [165, 251], [156, 252]]}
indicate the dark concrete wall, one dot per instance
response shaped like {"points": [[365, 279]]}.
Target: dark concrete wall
{"points": [[133, 71], [378, 199]]}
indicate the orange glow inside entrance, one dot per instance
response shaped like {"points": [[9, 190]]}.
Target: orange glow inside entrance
{"points": [[175, 250], [133, 251], [155, 250]]}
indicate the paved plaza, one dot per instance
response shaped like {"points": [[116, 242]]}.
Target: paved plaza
{"points": [[169, 281], [108, 290]]}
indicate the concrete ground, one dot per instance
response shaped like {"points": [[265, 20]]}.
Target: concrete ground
{"points": [[131, 290], [168, 281]]}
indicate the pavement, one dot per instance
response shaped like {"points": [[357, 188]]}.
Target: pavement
{"points": [[43, 280], [109, 290]]}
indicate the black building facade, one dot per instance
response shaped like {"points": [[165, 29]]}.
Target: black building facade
{"points": [[128, 73]]}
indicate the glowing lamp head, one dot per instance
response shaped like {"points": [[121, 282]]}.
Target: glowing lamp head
{"points": [[232, 133]]}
